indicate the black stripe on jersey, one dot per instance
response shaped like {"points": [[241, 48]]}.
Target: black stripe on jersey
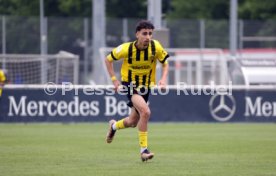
{"points": [[166, 57], [129, 76], [152, 48], [137, 55], [113, 57], [144, 80], [149, 81], [146, 53], [137, 81], [130, 53]]}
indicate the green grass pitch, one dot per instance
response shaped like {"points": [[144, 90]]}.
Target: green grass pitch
{"points": [[196, 149]]}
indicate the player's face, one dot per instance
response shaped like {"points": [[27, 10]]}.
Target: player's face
{"points": [[144, 36]]}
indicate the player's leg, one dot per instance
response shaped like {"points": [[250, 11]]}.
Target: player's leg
{"points": [[130, 121], [144, 112]]}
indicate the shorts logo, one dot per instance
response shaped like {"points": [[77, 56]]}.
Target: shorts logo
{"points": [[222, 107]]}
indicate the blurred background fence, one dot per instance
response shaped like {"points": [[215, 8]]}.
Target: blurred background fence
{"points": [[21, 35]]}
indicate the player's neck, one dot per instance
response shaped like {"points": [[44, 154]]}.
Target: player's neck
{"points": [[140, 46]]}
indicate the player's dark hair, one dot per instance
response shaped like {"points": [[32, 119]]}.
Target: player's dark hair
{"points": [[144, 24]]}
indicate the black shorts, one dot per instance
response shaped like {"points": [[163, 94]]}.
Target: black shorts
{"points": [[131, 90]]}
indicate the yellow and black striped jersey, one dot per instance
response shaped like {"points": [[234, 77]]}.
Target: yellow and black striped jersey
{"points": [[139, 66], [2, 76], [3, 79]]}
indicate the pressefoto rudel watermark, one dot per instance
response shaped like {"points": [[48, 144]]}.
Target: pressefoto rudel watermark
{"points": [[211, 89], [181, 88]]}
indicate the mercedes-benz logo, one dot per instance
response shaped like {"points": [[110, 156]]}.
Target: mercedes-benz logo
{"points": [[222, 107]]}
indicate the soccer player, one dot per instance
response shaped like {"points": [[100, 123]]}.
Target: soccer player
{"points": [[3, 80], [138, 75]]}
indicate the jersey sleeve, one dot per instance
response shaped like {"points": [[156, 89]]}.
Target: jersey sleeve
{"points": [[2, 76], [118, 53], [161, 54]]}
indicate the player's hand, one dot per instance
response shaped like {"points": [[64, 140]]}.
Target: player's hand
{"points": [[116, 84], [162, 84]]}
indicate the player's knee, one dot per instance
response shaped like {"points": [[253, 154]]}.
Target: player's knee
{"points": [[145, 112]]}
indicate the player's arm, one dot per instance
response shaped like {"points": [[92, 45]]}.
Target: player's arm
{"points": [[165, 69], [110, 69], [116, 54], [162, 56]]}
